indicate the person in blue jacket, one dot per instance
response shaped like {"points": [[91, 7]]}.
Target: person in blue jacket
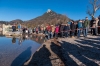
{"points": [[79, 28], [19, 27]]}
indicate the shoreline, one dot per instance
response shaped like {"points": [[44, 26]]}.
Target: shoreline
{"points": [[27, 63], [49, 52], [29, 59]]}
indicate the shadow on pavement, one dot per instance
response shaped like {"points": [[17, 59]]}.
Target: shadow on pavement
{"points": [[77, 54], [41, 58]]}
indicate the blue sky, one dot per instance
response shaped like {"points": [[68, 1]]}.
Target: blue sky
{"points": [[29, 9]]}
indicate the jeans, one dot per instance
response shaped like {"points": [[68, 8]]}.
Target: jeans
{"points": [[14, 30], [56, 35], [72, 33], [66, 34], [61, 34], [46, 32], [52, 34], [79, 32], [85, 32], [49, 34]]}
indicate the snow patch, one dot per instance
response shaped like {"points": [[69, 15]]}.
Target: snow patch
{"points": [[49, 10]]}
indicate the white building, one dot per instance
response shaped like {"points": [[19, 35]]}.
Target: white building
{"points": [[0, 28], [6, 28]]}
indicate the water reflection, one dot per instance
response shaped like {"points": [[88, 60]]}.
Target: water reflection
{"points": [[12, 54], [24, 37], [13, 40], [20, 41], [39, 39]]}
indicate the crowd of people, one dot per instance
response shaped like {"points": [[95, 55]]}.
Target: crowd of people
{"points": [[70, 29], [20, 28]]}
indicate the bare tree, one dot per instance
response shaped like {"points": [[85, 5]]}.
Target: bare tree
{"points": [[95, 5]]}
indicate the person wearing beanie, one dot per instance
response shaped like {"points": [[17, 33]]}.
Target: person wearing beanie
{"points": [[86, 26]]}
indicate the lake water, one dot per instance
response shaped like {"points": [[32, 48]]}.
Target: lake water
{"points": [[16, 50]]}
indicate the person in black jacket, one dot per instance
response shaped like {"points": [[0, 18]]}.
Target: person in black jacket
{"points": [[99, 25], [14, 28], [61, 30], [72, 27], [76, 26], [66, 30], [92, 22]]}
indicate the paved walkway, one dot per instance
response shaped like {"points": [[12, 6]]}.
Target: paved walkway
{"points": [[68, 52]]}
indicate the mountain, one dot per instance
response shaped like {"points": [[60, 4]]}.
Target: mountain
{"points": [[12, 22], [3, 22], [48, 17], [16, 21]]}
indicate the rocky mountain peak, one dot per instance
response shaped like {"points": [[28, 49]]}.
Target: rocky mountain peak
{"points": [[49, 10]]}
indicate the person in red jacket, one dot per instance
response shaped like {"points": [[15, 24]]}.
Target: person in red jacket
{"points": [[49, 27], [56, 31]]}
